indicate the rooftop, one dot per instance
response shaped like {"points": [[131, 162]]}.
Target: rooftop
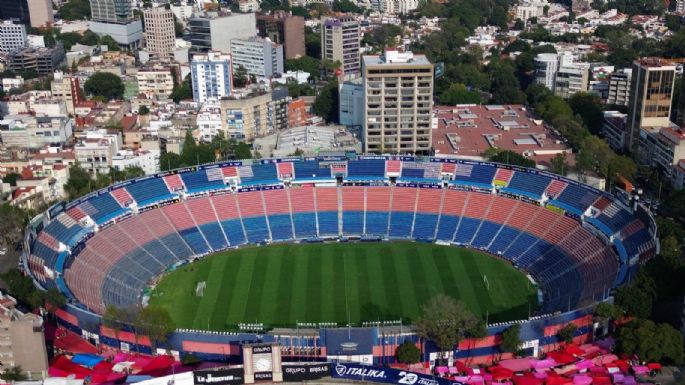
{"points": [[395, 58]]}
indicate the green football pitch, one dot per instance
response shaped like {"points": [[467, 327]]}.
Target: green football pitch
{"points": [[280, 285]]}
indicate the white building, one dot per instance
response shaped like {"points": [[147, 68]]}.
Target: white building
{"points": [[531, 8], [209, 121], [619, 87], [213, 32], [12, 36], [26, 131], [260, 57], [96, 150], [546, 65], [9, 83], [211, 74], [147, 160]]}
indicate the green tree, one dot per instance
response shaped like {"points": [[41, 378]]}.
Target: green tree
{"points": [[54, 297], [79, 183], [169, 161], [605, 311], [13, 374], [243, 151], [11, 178], [326, 102], [306, 64], [346, 6], [109, 41], [637, 299], [194, 153], [446, 322], [75, 10], [567, 333], [22, 288], [508, 157], [143, 110], [651, 342], [89, 38], [106, 85], [178, 27], [156, 323], [240, 77], [113, 319], [588, 106], [511, 339], [312, 42], [408, 353], [558, 164], [459, 94]]}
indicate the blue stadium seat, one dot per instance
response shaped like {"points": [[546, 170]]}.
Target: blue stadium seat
{"points": [[214, 235], [176, 245], [424, 226], [377, 223], [535, 251], [194, 239], [311, 170], [328, 223], [107, 208], [578, 197], [353, 222], [256, 228], [160, 252], [467, 229], [261, 174], [366, 168], [479, 175], [485, 234], [48, 255], [529, 183], [234, 231], [149, 191], [305, 225], [446, 227], [196, 181], [281, 227], [502, 240], [519, 246], [400, 224]]}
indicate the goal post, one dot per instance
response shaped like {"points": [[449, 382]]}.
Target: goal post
{"points": [[486, 282], [200, 288]]}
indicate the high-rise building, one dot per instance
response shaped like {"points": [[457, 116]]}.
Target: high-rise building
{"points": [[115, 18], [278, 109], [259, 56], [398, 102], [571, 79], [160, 36], [351, 106], [40, 12], [340, 41], [283, 28], [546, 65], [12, 36], [246, 118], [211, 74], [66, 88], [214, 31], [651, 94], [619, 87], [16, 10]]}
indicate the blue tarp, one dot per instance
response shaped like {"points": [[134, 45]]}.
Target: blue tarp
{"points": [[87, 360], [137, 378]]}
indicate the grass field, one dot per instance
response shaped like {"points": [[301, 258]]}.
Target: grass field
{"points": [[283, 284]]}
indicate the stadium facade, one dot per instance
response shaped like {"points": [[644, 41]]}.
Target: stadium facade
{"points": [[104, 248]]}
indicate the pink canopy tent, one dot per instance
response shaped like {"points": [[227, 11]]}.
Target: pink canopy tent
{"points": [[640, 370], [542, 364], [566, 369], [517, 365], [561, 358], [500, 373], [584, 364], [475, 380], [540, 374], [605, 359], [442, 369], [527, 380], [554, 379], [629, 380], [582, 380]]}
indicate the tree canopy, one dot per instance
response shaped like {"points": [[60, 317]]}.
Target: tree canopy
{"points": [[408, 353], [508, 157], [567, 333], [326, 102], [511, 339], [651, 342], [445, 321], [75, 10], [106, 85]]}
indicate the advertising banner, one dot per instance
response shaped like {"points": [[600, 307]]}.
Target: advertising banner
{"points": [[385, 375], [228, 376], [297, 373]]}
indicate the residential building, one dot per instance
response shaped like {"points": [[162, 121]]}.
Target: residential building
{"points": [[67, 88], [340, 41], [662, 148], [283, 28], [614, 129], [115, 18], [619, 87], [160, 35], [571, 79], [279, 109], [146, 160], [214, 31], [12, 83], [398, 102], [211, 75], [23, 342], [246, 6], [651, 94], [469, 130], [96, 149], [34, 132], [259, 56], [12, 36], [546, 65], [680, 6], [155, 81], [531, 8], [209, 121], [40, 12], [43, 60], [246, 118], [297, 112], [351, 102]]}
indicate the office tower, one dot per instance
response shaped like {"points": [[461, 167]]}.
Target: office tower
{"points": [[211, 75], [213, 31], [283, 28], [40, 13], [259, 56], [15, 9], [12, 36], [160, 36], [340, 40], [651, 93], [115, 18], [397, 103]]}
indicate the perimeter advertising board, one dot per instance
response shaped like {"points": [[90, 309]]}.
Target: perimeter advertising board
{"points": [[385, 375]]}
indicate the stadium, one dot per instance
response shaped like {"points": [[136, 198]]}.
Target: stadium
{"points": [[517, 244]]}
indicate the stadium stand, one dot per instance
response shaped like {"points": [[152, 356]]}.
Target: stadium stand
{"points": [[127, 249]]}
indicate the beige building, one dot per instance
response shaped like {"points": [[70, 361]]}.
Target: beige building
{"points": [[40, 13], [66, 88], [96, 149], [21, 339], [160, 36], [245, 118], [340, 41], [155, 81], [398, 103], [651, 94]]}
